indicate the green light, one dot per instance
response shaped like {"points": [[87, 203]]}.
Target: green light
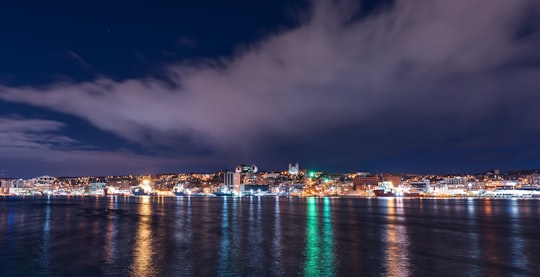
{"points": [[319, 249], [312, 266], [311, 174], [326, 180], [328, 257]]}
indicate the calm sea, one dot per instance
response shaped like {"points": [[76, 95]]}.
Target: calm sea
{"points": [[196, 236]]}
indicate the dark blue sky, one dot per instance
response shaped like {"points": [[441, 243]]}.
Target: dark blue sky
{"points": [[124, 87]]}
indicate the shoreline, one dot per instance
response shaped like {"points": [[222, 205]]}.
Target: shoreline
{"points": [[4, 196]]}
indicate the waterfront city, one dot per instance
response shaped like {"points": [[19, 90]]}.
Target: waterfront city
{"points": [[247, 180]]}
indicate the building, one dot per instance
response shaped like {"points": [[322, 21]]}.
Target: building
{"points": [[455, 183], [395, 180], [256, 189], [294, 169], [365, 181], [423, 186], [244, 174], [44, 181], [232, 180], [96, 188], [535, 179], [228, 179]]}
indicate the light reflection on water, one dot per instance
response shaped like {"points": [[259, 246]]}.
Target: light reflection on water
{"points": [[397, 243], [44, 256], [276, 242], [142, 263], [186, 236], [312, 250], [328, 257], [254, 236], [111, 233], [184, 258], [519, 259], [237, 240], [319, 250], [473, 237], [225, 240]]}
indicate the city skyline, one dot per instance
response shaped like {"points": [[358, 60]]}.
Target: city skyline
{"points": [[95, 89]]}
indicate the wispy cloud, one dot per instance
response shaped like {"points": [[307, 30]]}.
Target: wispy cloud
{"points": [[31, 135], [37, 145], [419, 70], [79, 60]]}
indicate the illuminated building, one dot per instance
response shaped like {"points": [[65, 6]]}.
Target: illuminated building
{"points": [[423, 186], [293, 169], [44, 180], [232, 180], [244, 174], [363, 181], [535, 179]]}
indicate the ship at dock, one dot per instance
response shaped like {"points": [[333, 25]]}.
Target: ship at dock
{"points": [[395, 193], [142, 189], [224, 191], [386, 189]]}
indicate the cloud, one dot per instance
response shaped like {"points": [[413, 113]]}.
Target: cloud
{"points": [[37, 146], [31, 134], [419, 71], [79, 60]]}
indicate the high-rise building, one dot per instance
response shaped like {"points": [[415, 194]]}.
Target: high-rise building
{"points": [[535, 179], [229, 180], [244, 174], [423, 186]]}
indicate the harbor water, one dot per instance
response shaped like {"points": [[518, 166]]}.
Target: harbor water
{"points": [[268, 236]]}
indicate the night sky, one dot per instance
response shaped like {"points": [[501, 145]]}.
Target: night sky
{"points": [[123, 87]]}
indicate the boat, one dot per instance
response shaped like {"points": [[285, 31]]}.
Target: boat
{"points": [[523, 192], [178, 189], [142, 189], [393, 193], [412, 194], [224, 191], [199, 194], [534, 190], [387, 190], [384, 193]]}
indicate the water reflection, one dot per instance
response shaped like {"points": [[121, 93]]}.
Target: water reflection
{"points": [[473, 238], [397, 242], [491, 242], [487, 207], [255, 237], [320, 254], [470, 207], [44, 255], [518, 257], [225, 241], [185, 231], [276, 242], [328, 261], [217, 236], [142, 264], [111, 232], [312, 251], [7, 248], [237, 240]]}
